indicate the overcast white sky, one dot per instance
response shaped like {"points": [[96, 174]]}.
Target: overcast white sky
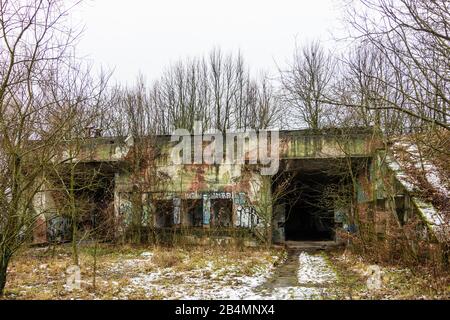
{"points": [[147, 36]]}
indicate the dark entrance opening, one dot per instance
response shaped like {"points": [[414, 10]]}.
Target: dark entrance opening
{"points": [[93, 198], [221, 212], [311, 217], [163, 213], [193, 209], [308, 207]]}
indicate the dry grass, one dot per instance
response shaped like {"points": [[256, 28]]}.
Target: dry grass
{"points": [[39, 273], [398, 282]]}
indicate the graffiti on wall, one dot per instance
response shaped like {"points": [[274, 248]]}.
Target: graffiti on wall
{"points": [[246, 217], [240, 199], [191, 195], [206, 209], [125, 209], [220, 195], [176, 211], [58, 228]]}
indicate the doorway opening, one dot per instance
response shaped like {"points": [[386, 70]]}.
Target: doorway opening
{"points": [[311, 217], [308, 209]]}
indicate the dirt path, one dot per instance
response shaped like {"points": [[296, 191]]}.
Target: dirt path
{"points": [[305, 274], [286, 274]]}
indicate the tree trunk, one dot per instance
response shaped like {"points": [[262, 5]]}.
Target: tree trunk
{"points": [[94, 281], [268, 236], [3, 268], [73, 214]]}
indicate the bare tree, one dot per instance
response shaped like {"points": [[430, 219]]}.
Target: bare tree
{"points": [[35, 38], [271, 191], [138, 114], [412, 37], [217, 90], [307, 82], [80, 106]]}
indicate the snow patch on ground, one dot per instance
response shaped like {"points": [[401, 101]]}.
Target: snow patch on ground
{"points": [[210, 281], [314, 270], [205, 283], [226, 281], [128, 264]]}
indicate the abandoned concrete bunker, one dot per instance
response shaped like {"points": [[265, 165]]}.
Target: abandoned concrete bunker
{"points": [[130, 186]]}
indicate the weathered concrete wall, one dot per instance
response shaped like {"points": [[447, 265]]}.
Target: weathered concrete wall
{"points": [[317, 144], [44, 204], [391, 187], [294, 144], [51, 225], [236, 182]]}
